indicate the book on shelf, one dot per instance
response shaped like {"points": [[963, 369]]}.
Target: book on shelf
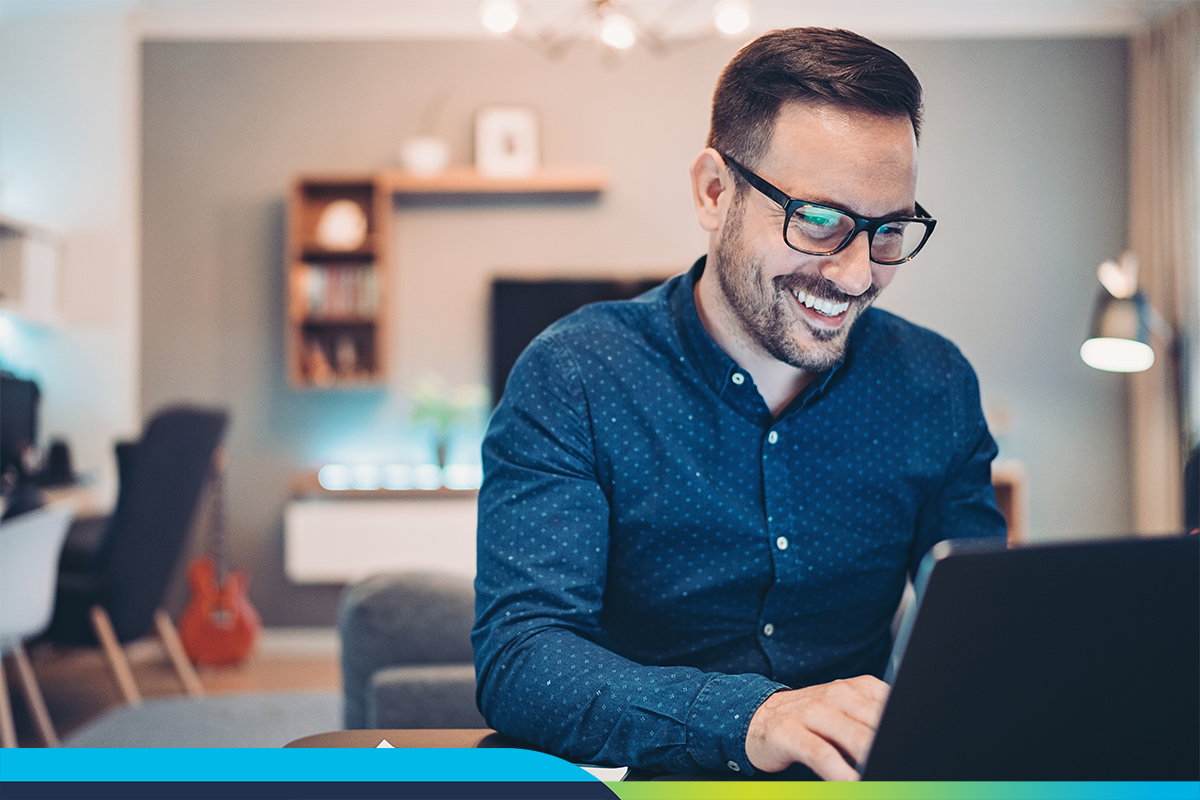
{"points": [[337, 291]]}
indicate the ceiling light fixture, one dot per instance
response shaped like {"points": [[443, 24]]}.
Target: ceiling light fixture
{"points": [[612, 23]]}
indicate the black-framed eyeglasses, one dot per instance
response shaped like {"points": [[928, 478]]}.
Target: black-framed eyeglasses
{"points": [[823, 230]]}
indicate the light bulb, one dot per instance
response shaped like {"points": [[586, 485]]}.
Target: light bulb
{"points": [[1117, 355], [616, 30], [731, 16], [365, 477], [334, 477], [499, 16], [397, 477]]}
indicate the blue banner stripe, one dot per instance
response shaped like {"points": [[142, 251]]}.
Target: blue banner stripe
{"points": [[300, 764]]}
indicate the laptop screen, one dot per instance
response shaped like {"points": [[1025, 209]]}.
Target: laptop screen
{"points": [[1065, 661]]}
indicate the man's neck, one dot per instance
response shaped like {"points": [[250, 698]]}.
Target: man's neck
{"points": [[777, 382]]}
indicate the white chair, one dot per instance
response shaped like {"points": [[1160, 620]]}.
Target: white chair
{"points": [[30, 546]]}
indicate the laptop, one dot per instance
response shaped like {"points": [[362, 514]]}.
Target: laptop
{"points": [[1068, 661]]}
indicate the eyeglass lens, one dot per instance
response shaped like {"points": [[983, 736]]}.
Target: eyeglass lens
{"points": [[821, 230]]}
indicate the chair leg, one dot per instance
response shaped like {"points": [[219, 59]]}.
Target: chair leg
{"points": [[174, 647], [115, 655], [33, 696], [8, 730]]}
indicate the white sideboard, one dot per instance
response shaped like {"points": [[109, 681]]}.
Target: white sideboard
{"points": [[344, 540]]}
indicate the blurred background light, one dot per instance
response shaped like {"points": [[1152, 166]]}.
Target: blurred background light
{"points": [[731, 16], [499, 16], [616, 30], [334, 477]]}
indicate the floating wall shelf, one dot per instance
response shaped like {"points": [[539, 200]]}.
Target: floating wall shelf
{"points": [[337, 298], [567, 180]]}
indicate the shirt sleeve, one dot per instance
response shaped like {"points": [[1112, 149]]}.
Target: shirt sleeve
{"points": [[964, 507], [544, 673]]}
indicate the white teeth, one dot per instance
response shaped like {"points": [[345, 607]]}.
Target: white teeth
{"points": [[826, 307]]}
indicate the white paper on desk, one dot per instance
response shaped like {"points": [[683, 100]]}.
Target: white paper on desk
{"points": [[605, 773], [385, 743]]}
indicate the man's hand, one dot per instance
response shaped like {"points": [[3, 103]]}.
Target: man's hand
{"points": [[817, 726]]}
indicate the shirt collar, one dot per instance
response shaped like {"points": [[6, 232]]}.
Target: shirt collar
{"points": [[714, 364]]}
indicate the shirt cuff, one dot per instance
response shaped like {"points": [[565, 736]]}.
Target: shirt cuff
{"points": [[720, 717]]}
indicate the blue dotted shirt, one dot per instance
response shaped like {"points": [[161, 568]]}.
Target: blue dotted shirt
{"points": [[657, 554]]}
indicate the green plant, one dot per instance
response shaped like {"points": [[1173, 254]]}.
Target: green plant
{"points": [[446, 409]]}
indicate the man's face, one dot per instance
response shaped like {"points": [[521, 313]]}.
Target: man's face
{"points": [[798, 308]]}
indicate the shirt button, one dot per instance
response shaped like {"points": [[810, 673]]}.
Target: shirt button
{"points": [[733, 766], [773, 437], [781, 543], [768, 629], [738, 378]]}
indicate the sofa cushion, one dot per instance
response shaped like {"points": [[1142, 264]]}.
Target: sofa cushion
{"points": [[437, 696], [402, 619]]}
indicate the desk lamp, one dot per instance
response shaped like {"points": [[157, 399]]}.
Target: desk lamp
{"points": [[1121, 322]]}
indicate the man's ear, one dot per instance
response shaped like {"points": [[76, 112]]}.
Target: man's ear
{"points": [[712, 189]]}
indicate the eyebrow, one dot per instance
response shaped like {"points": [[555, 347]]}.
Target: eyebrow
{"points": [[821, 201], [749, 175]]}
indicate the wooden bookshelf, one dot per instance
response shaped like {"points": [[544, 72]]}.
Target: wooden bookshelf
{"points": [[336, 315], [336, 318]]}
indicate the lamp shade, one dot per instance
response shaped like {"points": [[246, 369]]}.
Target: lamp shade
{"points": [[1120, 337]]}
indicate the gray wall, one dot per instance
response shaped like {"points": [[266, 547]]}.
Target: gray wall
{"points": [[1023, 163]]}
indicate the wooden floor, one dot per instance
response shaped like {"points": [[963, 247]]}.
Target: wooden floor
{"points": [[78, 686]]}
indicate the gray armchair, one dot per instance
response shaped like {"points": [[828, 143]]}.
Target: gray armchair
{"points": [[406, 652]]}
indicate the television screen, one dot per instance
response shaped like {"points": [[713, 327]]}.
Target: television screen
{"points": [[521, 309], [19, 401]]}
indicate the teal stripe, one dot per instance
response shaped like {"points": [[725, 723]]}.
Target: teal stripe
{"points": [[486, 764], [298, 764]]}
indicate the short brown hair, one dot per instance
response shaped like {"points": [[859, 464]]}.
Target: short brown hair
{"points": [[816, 64]]}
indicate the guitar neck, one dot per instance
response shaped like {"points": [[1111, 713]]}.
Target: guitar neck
{"points": [[217, 530]]}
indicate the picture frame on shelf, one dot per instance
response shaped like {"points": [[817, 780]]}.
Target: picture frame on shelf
{"points": [[506, 141]]}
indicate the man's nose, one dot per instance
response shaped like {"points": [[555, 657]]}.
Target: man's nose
{"points": [[850, 269]]}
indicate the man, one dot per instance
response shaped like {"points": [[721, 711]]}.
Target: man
{"points": [[700, 506]]}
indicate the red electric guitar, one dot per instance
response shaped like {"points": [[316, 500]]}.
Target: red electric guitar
{"points": [[219, 627]]}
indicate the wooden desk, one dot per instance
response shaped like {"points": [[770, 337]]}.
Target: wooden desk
{"points": [[84, 498]]}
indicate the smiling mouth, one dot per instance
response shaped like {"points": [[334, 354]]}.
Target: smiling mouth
{"points": [[825, 307]]}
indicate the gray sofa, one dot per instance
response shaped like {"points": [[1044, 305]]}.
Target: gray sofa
{"points": [[406, 652]]}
